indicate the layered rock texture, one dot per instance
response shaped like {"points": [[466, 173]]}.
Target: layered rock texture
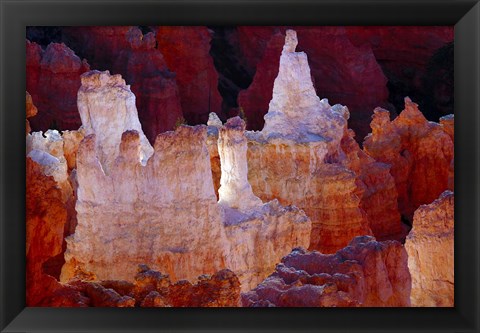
{"points": [[366, 273], [53, 79], [125, 220], [415, 148], [124, 212], [107, 108], [297, 157], [430, 247]]}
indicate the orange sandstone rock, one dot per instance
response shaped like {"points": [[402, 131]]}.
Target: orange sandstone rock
{"points": [[366, 273], [431, 253], [149, 289], [379, 197], [420, 154], [31, 110]]}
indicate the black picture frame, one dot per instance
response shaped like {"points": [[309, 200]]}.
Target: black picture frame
{"points": [[15, 15]]}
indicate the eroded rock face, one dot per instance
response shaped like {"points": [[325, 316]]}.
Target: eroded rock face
{"points": [[186, 51], [379, 197], [366, 273], [107, 108], [297, 156], [126, 51], [351, 77], [250, 224], [183, 230], [150, 289], [328, 193], [45, 219], [124, 219], [235, 191], [419, 152], [430, 248], [53, 79]]}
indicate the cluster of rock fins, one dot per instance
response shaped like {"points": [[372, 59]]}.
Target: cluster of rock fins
{"points": [[296, 214]]}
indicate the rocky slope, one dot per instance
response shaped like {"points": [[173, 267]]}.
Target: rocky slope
{"points": [[366, 273], [149, 289]]}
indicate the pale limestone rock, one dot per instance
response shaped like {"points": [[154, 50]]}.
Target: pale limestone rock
{"points": [[295, 111], [214, 121], [430, 247], [235, 190], [298, 158], [56, 153], [166, 214], [48, 152], [260, 238], [107, 109], [163, 210], [250, 224]]}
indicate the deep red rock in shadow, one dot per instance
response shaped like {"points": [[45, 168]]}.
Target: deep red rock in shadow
{"points": [[254, 100], [31, 110], [53, 79], [186, 51], [45, 219], [379, 198]]}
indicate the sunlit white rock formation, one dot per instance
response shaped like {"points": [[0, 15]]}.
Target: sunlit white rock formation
{"points": [[107, 109], [295, 111], [235, 190], [163, 211], [298, 159]]}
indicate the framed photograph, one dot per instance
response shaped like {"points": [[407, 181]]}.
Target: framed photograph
{"points": [[185, 155]]}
